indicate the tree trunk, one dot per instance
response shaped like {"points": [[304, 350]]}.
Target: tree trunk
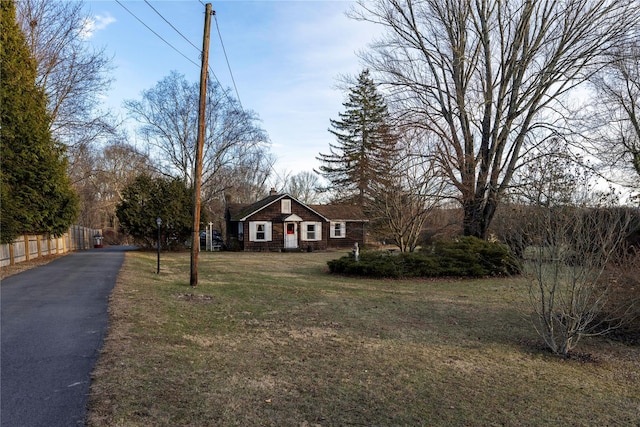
{"points": [[477, 216]]}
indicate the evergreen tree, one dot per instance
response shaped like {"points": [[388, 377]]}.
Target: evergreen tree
{"points": [[364, 145], [36, 192], [148, 198]]}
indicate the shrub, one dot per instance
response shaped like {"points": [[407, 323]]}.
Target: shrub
{"points": [[470, 256], [465, 257], [373, 264], [419, 265]]}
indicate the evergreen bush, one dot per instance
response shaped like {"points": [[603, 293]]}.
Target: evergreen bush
{"points": [[463, 257]]}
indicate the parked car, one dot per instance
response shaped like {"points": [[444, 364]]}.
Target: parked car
{"points": [[217, 241]]}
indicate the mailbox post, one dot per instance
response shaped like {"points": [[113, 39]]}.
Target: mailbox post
{"points": [[159, 223]]}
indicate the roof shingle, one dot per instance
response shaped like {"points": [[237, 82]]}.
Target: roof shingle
{"points": [[333, 212]]}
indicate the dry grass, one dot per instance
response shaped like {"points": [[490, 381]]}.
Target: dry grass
{"points": [[272, 339]]}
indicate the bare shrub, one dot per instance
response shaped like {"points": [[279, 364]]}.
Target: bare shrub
{"points": [[566, 267]]}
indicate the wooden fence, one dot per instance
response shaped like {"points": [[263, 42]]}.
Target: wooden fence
{"points": [[32, 246]]}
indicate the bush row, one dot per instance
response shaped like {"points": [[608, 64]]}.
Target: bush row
{"points": [[463, 257]]}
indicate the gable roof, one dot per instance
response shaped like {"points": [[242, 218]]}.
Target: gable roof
{"points": [[240, 212], [341, 212]]}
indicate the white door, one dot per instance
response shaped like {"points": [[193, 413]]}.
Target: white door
{"points": [[290, 235]]}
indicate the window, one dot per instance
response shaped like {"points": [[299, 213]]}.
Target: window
{"points": [[311, 230], [259, 231], [291, 228], [285, 206], [260, 235], [338, 230]]}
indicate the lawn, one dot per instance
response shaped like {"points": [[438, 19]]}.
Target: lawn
{"points": [[271, 339]]}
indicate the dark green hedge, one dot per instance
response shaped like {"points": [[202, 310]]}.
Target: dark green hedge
{"points": [[464, 257]]}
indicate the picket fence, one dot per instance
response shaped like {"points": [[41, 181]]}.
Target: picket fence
{"points": [[32, 246]]}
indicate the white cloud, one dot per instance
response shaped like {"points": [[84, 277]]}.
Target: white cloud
{"points": [[97, 23]]}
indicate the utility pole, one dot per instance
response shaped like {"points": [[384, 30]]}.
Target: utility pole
{"points": [[195, 239]]}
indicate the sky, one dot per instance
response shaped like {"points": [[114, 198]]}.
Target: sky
{"points": [[286, 57]]}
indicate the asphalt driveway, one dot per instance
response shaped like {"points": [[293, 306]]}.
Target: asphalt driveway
{"points": [[53, 320]]}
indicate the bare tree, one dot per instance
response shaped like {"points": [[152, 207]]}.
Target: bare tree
{"points": [[489, 78], [167, 114], [81, 178], [618, 112], [305, 186], [117, 165], [99, 177], [405, 199], [569, 286], [245, 181], [569, 240], [73, 74]]}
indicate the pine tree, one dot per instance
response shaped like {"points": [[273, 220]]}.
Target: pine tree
{"points": [[147, 198], [364, 145], [36, 192]]}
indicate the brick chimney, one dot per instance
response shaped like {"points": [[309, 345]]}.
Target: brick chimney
{"points": [[273, 191]]}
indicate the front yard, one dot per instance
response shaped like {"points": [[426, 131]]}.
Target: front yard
{"points": [[272, 339]]}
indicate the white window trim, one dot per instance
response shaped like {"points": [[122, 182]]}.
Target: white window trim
{"points": [[343, 230], [253, 231], [317, 231]]}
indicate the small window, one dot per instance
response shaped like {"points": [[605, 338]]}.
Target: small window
{"points": [[312, 231], [338, 230], [259, 231], [285, 206]]}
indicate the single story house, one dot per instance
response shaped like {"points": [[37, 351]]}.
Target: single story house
{"points": [[280, 222]]}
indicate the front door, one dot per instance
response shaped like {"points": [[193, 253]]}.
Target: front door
{"points": [[290, 235]]}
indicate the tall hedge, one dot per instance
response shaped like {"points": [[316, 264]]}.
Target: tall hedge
{"points": [[36, 193]]}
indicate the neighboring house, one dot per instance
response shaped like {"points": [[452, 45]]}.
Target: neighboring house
{"points": [[281, 222]]}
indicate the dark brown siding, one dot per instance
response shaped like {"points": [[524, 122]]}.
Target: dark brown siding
{"points": [[355, 233], [273, 214], [269, 210]]}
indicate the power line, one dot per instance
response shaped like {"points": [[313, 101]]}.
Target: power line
{"points": [[198, 49], [227, 60], [220, 84], [171, 25], [157, 35]]}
